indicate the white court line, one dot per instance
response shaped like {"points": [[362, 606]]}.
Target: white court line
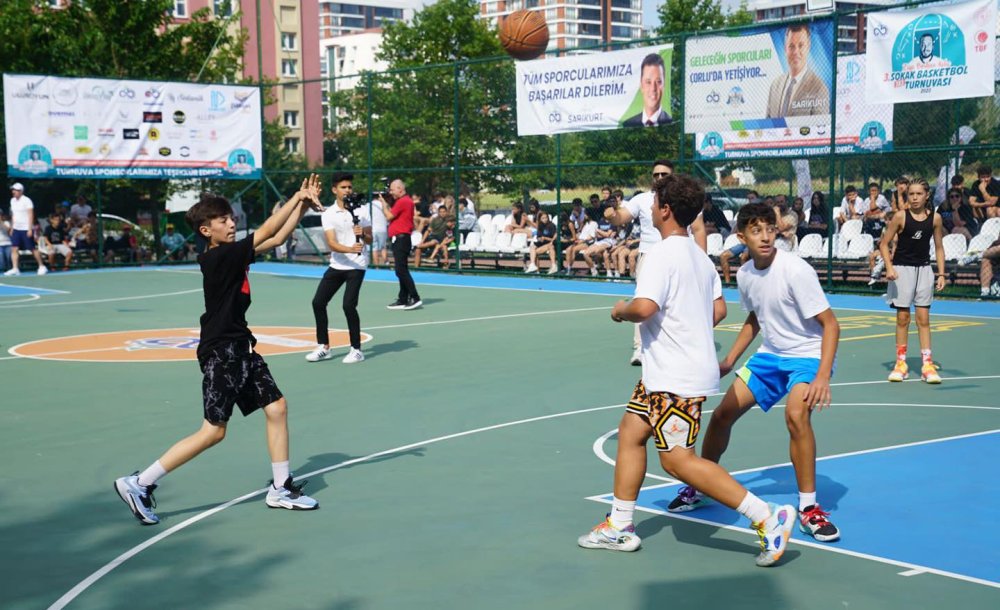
{"points": [[107, 568], [117, 561], [914, 569], [112, 300]]}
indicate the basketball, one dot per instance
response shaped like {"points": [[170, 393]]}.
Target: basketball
{"points": [[524, 34]]}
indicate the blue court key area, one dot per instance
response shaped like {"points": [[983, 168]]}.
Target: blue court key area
{"points": [[931, 505], [23, 291]]}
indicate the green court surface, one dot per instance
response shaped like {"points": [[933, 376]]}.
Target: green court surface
{"points": [[455, 466]]}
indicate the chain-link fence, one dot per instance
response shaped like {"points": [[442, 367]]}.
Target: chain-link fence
{"points": [[452, 129]]}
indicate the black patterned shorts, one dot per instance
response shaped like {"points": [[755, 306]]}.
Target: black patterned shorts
{"points": [[680, 421], [235, 375]]}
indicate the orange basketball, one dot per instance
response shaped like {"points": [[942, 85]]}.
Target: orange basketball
{"points": [[524, 34]]}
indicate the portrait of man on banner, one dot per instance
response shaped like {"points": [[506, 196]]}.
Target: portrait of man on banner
{"points": [[652, 75], [797, 92], [926, 53]]}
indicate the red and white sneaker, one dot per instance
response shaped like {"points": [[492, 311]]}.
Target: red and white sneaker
{"points": [[813, 521]]}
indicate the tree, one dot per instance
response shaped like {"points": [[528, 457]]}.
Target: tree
{"points": [[115, 39], [678, 16], [411, 107]]}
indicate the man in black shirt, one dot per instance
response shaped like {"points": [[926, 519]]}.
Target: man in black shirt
{"points": [[57, 234], [234, 374], [984, 196]]}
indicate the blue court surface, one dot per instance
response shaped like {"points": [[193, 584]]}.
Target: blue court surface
{"points": [[905, 505], [23, 291]]}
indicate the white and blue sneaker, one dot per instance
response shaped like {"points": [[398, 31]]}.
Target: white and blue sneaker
{"points": [[289, 496], [774, 533], [139, 499], [606, 536]]}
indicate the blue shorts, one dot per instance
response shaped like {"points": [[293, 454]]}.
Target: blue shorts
{"points": [[770, 377], [22, 240]]}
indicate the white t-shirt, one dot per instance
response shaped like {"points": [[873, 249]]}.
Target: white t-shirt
{"points": [[786, 298], [5, 234], [339, 221], [641, 209], [80, 211], [19, 213], [880, 202], [376, 218], [678, 347]]}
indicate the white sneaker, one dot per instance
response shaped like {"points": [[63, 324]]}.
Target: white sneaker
{"points": [[531, 269], [320, 353], [774, 533], [636, 359], [593, 271], [43, 270], [553, 269], [609, 274], [353, 356], [606, 536], [289, 496], [14, 271]]}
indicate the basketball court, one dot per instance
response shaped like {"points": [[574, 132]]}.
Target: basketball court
{"points": [[456, 466]]}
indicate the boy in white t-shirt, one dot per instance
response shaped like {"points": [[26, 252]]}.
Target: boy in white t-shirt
{"points": [[784, 299], [346, 234], [678, 300]]}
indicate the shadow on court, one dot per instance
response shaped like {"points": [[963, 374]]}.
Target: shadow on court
{"points": [[701, 535], [49, 551], [380, 349], [758, 590], [317, 482]]}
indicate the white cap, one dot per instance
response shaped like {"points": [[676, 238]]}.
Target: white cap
{"points": [[17, 186]]}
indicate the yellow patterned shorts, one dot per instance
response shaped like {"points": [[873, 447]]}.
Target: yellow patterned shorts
{"points": [[680, 421]]}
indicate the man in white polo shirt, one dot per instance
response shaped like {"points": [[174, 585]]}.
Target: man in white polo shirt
{"points": [[641, 207], [348, 263], [22, 219]]}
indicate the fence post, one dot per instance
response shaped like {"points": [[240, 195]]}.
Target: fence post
{"points": [[680, 136], [456, 163], [100, 226], [833, 161]]}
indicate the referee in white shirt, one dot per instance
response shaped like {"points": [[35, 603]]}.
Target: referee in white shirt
{"points": [[346, 235]]}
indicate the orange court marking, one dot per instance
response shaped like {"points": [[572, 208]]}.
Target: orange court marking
{"points": [[168, 344]]}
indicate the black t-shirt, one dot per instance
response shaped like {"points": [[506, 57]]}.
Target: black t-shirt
{"points": [[547, 230], [56, 236], [992, 189], [226, 284]]}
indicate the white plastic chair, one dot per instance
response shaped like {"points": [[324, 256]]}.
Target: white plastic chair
{"points": [[811, 246], [714, 244], [488, 241], [860, 246], [518, 243], [731, 241], [502, 243], [991, 227], [730, 215], [954, 246], [499, 222], [485, 222], [850, 230], [979, 243], [472, 241]]}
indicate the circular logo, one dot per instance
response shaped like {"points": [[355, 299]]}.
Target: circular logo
{"points": [[240, 162], [154, 134], [65, 95], [711, 145], [169, 344], [179, 117]]}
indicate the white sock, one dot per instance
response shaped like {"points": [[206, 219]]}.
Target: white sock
{"points": [[621, 513], [151, 475], [279, 471], [806, 500], [754, 508]]}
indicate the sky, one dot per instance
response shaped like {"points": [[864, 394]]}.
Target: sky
{"points": [[649, 10]]}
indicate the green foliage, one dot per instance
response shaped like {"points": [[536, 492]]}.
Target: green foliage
{"points": [[680, 16]]}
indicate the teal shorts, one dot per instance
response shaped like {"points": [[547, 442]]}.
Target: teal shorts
{"points": [[770, 377]]}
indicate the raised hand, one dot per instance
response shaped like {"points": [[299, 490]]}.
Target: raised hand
{"points": [[310, 192]]}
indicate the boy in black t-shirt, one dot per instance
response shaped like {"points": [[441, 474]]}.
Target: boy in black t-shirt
{"points": [[234, 374]]}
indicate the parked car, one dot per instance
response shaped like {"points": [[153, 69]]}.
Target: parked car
{"points": [[730, 198]]}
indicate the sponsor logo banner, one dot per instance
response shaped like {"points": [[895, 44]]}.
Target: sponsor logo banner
{"points": [[86, 127]]}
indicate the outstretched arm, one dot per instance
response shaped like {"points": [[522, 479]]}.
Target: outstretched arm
{"points": [[818, 394], [279, 226]]}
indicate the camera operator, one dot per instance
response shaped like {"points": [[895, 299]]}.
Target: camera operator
{"points": [[346, 234], [400, 217]]}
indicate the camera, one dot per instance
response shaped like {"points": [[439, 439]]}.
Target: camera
{"points": [[384, 193], [355, 201]]}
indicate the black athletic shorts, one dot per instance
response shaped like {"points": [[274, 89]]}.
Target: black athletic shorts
{"points": [[234, 374]]}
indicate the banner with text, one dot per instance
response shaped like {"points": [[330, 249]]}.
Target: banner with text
{"points": [[861, 127], [773, 81], [629, 88], [96, 128], [932, 53]]}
